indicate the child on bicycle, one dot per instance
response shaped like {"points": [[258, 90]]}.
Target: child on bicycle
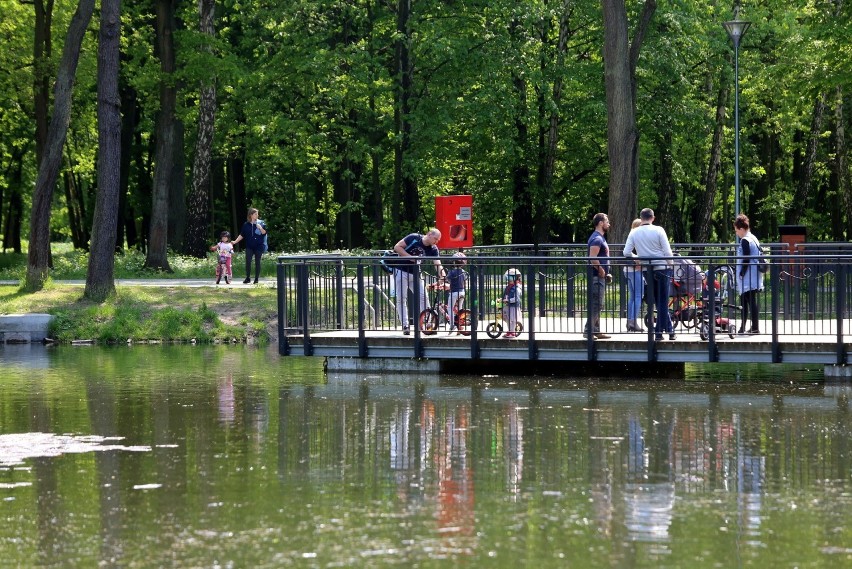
{"points": [[457, 281], [224, 249], [512, 295]]}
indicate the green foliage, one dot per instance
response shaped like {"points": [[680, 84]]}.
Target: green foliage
{"points": [[309, 107]]}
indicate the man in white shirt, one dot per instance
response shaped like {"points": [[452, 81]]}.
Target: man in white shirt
{"points": [[648, 245]]}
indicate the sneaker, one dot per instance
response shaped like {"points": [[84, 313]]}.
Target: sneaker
{"points": [[510, 335], [672, 337], [600, 336], [247, 281], [406, 331], [658, 338], [753, 332], [227, 279], [255, 281], [218, 279]]}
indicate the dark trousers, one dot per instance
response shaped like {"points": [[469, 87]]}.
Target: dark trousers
{"points": [[662, 279], [257, 255], [749, 302]]}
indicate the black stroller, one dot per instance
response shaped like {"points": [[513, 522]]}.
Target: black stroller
{"points": [[725, 314]]}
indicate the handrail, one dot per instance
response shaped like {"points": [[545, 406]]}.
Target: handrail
{"points": [[805, 295]]}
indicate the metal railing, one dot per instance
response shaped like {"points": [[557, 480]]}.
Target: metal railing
{"points": [[804, 295]]}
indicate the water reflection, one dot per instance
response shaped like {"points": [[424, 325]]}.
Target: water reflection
{"points": [[255, 461]]}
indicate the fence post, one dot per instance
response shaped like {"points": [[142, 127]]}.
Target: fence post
{"points": [[362, 337], [415, 307], [532, 349], [283, 322], [303, 303], [570, 300], [774, 285], [474, 312], [841, 311], [338, 282], [651, 302], [709, 318]]}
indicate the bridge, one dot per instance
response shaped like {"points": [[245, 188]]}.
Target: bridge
{"points": [[341, 307]]}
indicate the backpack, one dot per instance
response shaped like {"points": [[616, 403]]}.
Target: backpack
{"points": [[265, 236], [762, 263], [390, 259]]}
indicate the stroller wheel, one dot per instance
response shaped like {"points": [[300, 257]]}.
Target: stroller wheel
{"points": [[519, 327], [704, 330], [732, 330], [494, 330]]}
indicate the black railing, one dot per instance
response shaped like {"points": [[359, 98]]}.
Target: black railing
{"points": [[805, 295]]}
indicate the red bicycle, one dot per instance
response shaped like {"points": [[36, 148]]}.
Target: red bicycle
{"points": [[431, 318]]}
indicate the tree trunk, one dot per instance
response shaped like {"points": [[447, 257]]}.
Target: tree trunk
{"points": [[39, 253], [237, 184], [15, 211], [522, 221], [157, 256], [704, 209], [544, 207], [129, 120], [667, 212], [42, 51], [406, 201], [522, 207], [76, 215], [198, 210], [177, 188], [841, 172], [620, 61], [99, 278], [803, 188]]}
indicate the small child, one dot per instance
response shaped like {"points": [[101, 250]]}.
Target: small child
{"points": [[224, 249], [512, 297], [457, 279]]}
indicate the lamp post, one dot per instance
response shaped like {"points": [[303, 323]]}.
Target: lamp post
{"points": [[736, 29]]}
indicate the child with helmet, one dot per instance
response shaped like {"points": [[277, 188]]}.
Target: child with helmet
{"points": [[457, 281], [512, 297], [224, 249]]}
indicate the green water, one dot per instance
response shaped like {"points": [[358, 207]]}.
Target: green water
{"points": [[234, 457]]}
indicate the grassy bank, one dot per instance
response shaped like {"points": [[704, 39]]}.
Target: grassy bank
{"points": [[137, 314]]}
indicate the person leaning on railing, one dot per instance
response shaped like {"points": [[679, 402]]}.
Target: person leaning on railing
{"points": [[749, 278], [408, 248], [651, 243]]}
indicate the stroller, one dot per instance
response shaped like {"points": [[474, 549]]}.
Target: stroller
{"points": [[724, 314]]}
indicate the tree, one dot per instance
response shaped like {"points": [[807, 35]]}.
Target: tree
{"points": [[198, 211], [157, 254], [99, 279], [39, 253], [620, 59]]}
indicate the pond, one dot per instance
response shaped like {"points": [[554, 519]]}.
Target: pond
{"points": [[229, 456]]}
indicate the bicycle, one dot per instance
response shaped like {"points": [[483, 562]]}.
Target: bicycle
{"points": [[494, 329], [430, 319], [222, 269]]}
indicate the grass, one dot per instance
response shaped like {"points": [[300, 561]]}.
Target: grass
{"points": [[137, 314]]}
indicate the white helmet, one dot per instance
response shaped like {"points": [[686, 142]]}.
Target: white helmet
{"points": [[459, 258], [512, 275]]}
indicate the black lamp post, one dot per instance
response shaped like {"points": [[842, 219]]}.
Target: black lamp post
{"points": [[736, 29]]}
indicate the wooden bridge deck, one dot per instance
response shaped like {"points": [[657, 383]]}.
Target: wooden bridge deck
{"points": [[810, 342]]}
